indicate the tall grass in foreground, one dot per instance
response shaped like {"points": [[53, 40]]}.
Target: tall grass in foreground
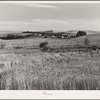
{"points": [[76, 84], [51, 71]]}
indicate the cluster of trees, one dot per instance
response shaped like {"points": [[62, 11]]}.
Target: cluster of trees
{"points": [[58, 35], [43, 34], [11, 36], [80, 33]]}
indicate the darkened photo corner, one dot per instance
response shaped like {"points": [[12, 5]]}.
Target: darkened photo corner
{"points": [[49, 46]]}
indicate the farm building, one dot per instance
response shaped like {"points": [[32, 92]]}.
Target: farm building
{"points": [[65, 36], [58, 35], [68, 35], [47, 33]]}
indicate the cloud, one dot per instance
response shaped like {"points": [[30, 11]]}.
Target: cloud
{"points": [[49, 21], [51, 24], [35, 24], [37, 5]]}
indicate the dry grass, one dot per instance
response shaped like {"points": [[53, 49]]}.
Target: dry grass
{"points": [[34, 70], [50, 71]]}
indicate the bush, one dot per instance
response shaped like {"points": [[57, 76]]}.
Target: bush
{"points": [[44, 46], [94, 47]]}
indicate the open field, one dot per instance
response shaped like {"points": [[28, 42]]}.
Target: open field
{"points": [[34, 42], [63, 45], [28, 68]]}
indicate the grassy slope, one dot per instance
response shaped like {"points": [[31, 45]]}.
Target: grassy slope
{"points": [[94, 39]]}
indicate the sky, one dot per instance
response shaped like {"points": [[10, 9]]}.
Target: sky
{"points": [[49, 16]]}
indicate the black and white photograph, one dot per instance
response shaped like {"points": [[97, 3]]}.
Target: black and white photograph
{"points": [[49, 46]]}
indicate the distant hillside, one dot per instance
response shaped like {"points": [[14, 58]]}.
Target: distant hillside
{"points": [[25, 34], [94, 36], [4, 33], [89, 32], [9, 32], [54, 31]]}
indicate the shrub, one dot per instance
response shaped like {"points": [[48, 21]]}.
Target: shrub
{"points": [[94, 47], [44, 46]]}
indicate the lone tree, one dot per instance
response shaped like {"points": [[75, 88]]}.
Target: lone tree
{"points": [[44, 46]]}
